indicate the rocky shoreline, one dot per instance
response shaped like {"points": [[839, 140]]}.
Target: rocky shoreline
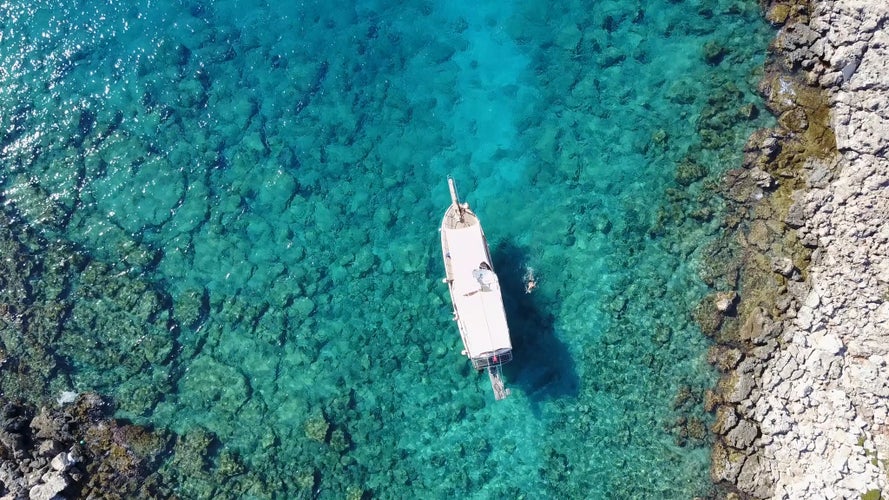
{"points": [[76, 450], [801, 317]]}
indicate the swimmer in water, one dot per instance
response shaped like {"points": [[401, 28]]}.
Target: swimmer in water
{"points": [[530, 280]]}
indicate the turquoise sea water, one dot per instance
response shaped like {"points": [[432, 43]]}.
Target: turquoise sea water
{"points": [[275, 173]]}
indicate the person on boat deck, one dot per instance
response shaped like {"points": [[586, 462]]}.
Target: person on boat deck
{"points": [[485, 276]]}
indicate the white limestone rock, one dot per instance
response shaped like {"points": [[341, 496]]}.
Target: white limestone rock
{"points": [[783, 266], [52, 484], [829, 343], [61, 462]]}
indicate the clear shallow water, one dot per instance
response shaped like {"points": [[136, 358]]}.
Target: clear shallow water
{"points": [[277, 172]]}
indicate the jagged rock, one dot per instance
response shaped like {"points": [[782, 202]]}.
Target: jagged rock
{"points": [[758, 327], [762, 178], [724, 358], [726, 419], [783, 266], [784, 302], [737, 386], [820, 174], [725, 301], [776, 423], [49, 448], [742, 435], [726, 464], [14, 442], [752, 480], [52, 484], [73, 451], [61, 462], [711, 399], [778, 13], [89, 406], [796, 216], [794, 120], [708, 318], [44, 426], [14, 418], [770, 146], [765, 351], [828, 343]]}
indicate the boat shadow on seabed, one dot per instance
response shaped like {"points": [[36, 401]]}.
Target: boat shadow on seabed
{"points": [[542, 367]]}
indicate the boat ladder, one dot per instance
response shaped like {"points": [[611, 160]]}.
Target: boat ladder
{"points": [[500, 392]]}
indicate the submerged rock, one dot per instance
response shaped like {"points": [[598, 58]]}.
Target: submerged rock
{"points": [[316, 427], [713, 52], [689, 171], [723, 357]]}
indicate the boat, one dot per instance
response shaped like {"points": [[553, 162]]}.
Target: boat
{"points": [[475, 292]]}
